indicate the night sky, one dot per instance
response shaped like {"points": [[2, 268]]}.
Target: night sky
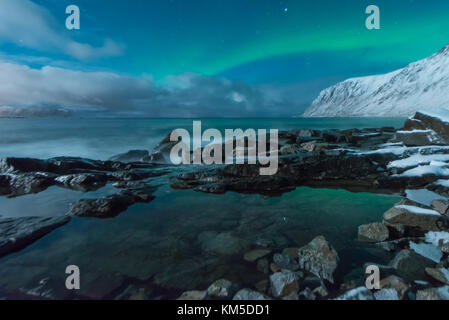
{"points": [[284, 48]]}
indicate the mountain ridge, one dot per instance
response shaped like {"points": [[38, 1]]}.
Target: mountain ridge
{"points": [[421, 85]]}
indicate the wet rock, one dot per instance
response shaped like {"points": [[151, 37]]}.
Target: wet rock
{"points": [[386, 294], [15, 185], [193, 295], [395, 283], [410, 266], [433, 294], [131, 156], [248, 295], [17, 233], [360, 293], [440, 274], [442, 206], [320, 259], [373, 232], [83, 181], [292, 253], [221, 289], [107, 207], [284, 283]]}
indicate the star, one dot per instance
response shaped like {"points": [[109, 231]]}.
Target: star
{"points": [[285, 9]]}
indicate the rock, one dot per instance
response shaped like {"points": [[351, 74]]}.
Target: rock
{"points": [[262, 285], [410, 266], [107, 207], [422, 121], [221, 289], [291, 296], [254, 255], [134, 293], [193, 295], [404, 215], [395, 283], [248, 294], [307, 294], [399, 244], [442, 206], [314, 146], [320, 291], [284, 262], [83, 181], [131, 156], [15, 185], [427, 250], [274, 267], [289, 149], [292, 253], [373, 232], [263, 265], [433, 294], [440, 274], [18, 233], [320, 259], [417, 138], [224, 243], [395, 231], [386, 294], [360, 293], [284, 283]]}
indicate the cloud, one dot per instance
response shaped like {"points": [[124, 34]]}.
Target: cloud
{"points": [[27, 24], [59, 90]]}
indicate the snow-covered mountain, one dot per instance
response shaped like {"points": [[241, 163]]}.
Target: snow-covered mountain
{"points": [[422, 85]]}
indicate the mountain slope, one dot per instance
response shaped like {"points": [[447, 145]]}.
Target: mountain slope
{"points": [[422, 85]]}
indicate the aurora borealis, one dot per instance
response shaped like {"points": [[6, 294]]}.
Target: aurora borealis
{"points": [[286, 42]]}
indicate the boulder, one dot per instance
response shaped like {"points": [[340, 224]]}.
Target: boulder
{"points": [[442, 206], [413, 216], [17, 233], [248, 295], [284, 283], [410, 266], [320, 259], [417, 138], [373, 232], [440, 274], [283, 261], [395, 283], [423, 121], [83, 181]]}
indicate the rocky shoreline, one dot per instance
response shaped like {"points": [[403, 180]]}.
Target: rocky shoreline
{"points": [[412, 161]]}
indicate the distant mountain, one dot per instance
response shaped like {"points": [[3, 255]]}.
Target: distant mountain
{"points": [[422, 85]]}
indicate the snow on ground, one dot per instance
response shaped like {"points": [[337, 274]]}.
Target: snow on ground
{"points": [[435, 237], [417, 159], [442, 182], [426, 250], [418, 210], [435, 168], [423, 196]]}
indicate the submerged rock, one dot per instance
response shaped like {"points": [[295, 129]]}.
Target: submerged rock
{"points": [[373, 232], [17, 233], [320, 259], [221, 289], [284, 283]]}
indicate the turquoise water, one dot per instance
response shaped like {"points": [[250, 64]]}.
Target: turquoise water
{"points": [[183, 240]]}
